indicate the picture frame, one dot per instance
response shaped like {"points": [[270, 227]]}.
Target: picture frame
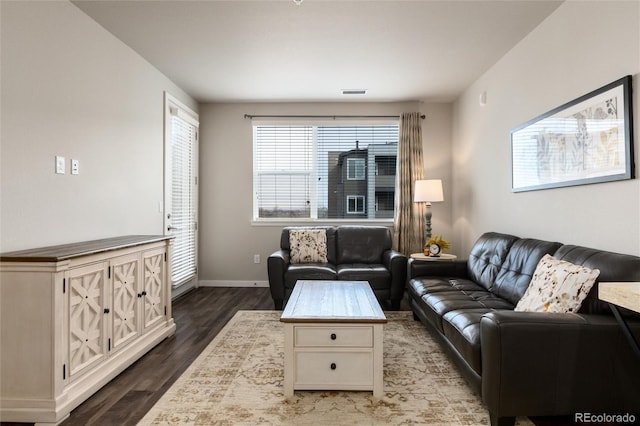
{"points": [[588, 140]]}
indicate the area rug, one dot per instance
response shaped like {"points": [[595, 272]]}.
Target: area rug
{"points": [[238, 380]]}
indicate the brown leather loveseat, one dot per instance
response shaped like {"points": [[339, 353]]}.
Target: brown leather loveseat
{"points": [[353, 253], [530, 363]]}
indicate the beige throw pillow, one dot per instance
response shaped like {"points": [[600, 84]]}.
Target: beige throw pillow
{"points": [[557, 286], [308, 246]]}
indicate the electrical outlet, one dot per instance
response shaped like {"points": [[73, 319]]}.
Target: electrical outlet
{"points": [[256, 258], [75, 167]]}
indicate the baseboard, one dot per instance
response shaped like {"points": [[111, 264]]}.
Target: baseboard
{"points": [[183, 289], [224, 283]]}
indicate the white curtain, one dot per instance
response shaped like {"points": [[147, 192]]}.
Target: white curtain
{"points": [[409, 219]]}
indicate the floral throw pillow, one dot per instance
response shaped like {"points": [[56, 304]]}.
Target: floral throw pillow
{"points": [[557, 286], [308, 245]]}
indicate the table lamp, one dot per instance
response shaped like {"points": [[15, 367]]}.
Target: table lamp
{"points": [[428, 191]]}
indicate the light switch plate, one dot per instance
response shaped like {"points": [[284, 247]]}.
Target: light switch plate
{"points": [[60, 164]]}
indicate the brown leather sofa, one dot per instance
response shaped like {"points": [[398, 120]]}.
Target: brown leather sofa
{"points": [[354, 253], [530, 363]]}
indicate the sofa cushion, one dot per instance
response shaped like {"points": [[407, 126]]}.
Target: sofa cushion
{"points": [[439, 303], [517, 270], [487, 256], [308, 245], [362, 244], [462, 329], [308, 271], [377, 275], [443, 294], [557, 286], [464, 285], [420, 286]]}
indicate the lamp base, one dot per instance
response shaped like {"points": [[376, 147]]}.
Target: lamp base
{"points": [[427, 222]]}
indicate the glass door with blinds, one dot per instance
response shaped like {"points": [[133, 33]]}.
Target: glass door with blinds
{"points": [[181, 194]]}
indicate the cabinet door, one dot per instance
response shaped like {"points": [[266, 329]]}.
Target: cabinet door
{"points": [[155, 279], [125, 294], [87, 325]]}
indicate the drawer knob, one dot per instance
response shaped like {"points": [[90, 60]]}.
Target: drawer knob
{"points": [[333, 336], [333, 366]]}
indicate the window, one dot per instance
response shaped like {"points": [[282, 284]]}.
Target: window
{"points": [[355, 168], [384, 203], [311, 172], [355, 204]]}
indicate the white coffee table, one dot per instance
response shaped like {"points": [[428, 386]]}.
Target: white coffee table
{"points": [[333, 337]]}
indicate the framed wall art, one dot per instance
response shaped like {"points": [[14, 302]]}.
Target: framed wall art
{"points": [[588, 140]]}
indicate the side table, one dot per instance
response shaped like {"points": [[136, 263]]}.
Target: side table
{"points": [[627, 295], [441, 258]]}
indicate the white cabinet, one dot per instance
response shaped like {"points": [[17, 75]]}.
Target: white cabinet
{"points": [[73, 317]]}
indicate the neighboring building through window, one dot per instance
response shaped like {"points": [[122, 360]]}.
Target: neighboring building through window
{"points": [[355, 204], [324, 172]]}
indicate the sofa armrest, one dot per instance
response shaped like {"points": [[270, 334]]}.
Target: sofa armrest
{"points": [[277, 264], [419, 268], [396, 263], [556, 364]]}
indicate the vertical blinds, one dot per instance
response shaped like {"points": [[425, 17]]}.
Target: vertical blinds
{"points": [[183, 214], [311, 171]]}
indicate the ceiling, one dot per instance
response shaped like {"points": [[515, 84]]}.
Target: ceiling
{"points": [[240, 51]]}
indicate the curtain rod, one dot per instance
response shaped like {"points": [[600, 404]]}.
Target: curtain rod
{"points": [[333, 117]]}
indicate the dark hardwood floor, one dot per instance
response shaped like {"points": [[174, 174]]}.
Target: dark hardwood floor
{"points": [[199, 316]]}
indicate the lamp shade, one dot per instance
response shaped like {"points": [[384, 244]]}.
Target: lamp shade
{"points": [[428, 191]]}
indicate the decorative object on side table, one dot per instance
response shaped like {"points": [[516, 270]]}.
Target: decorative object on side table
{"points": [[428, 191], [434, 246]]}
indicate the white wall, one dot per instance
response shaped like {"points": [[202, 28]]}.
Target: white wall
{"points": [[581, 47], [71, 88], [228, 240]]}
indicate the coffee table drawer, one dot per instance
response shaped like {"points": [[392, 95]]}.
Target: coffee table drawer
{"points": [[333, 370], [337, 336]]}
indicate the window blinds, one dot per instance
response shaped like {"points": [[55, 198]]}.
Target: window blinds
{"points": [[183, 214], [319, 171]]}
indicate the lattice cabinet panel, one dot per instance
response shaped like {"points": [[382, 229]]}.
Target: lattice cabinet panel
{"points": [[125, 311], [87, 331], [154, 287]]}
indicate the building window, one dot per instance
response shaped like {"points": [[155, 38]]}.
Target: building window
{"points": [[355, 204], [356, 168], [319, 172]]}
